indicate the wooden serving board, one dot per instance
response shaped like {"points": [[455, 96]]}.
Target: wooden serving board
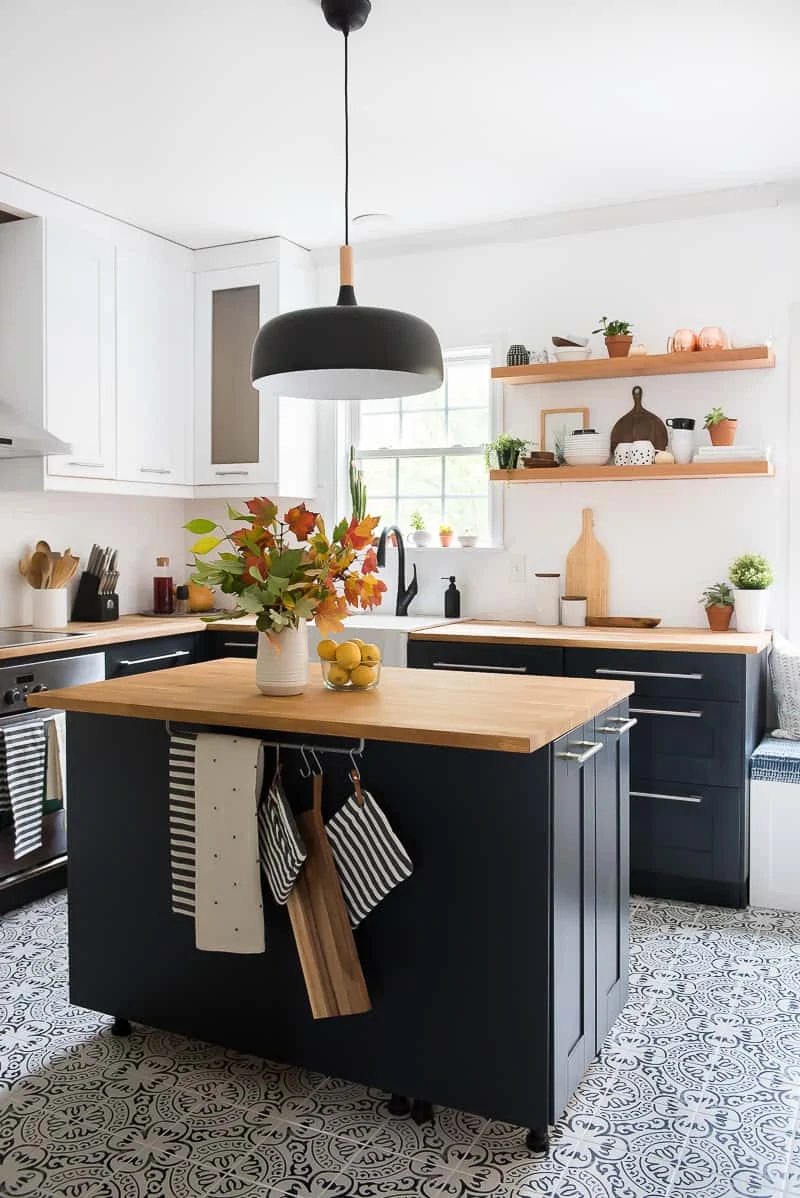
{"points": [[639, 425], [587, 569], [623, 621]]}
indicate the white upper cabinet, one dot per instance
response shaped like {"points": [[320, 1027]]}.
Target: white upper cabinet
{"points": [[154, 371], [245, 443], [80, 389]]}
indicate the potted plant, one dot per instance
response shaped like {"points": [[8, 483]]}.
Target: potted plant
{"points": [[721, 428], [618, 337], [286, 573], [506, 450], [718, 602], [422, 538], [751, 576], [445, 535]]}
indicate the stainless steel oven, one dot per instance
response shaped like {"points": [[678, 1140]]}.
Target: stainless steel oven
{"points": [[43, 869]]}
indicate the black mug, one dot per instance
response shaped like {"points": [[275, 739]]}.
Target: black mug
{"points": [[679, 422]]}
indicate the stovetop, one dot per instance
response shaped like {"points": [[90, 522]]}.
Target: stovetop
{"points": [[20, 638]]}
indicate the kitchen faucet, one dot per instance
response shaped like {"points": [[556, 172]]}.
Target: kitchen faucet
{"points": [[404, 593]]}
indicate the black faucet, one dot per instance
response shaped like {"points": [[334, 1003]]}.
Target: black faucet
{"points": [[404, 593]]}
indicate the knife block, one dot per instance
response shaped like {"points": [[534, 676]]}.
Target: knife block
{"points": [[90, 605]]}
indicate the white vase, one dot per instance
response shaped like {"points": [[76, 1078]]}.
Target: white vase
{"points": [[422, 538], [282, 669], [751, 610]]}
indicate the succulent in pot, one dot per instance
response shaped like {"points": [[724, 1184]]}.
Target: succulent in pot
{"points": [[445, 535], [506, 449], [618, 336], [422, 538], [718, 602], [752, 577], [721, 428]]}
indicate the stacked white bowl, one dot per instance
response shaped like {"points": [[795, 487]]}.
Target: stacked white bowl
{"points": [[587, 449]]}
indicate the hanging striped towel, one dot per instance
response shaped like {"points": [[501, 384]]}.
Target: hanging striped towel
{"points": [[23, 761], [281, 846], [370, 858], [56, 786], [181, 822]]}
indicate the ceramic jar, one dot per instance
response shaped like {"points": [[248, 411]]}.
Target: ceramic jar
{"points": [[751, 610], [573, 611], [49, 607], [517, 355], [546, 609], [282, 669]]}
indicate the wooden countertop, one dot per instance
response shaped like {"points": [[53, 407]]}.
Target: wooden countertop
{"points": [[670, 640], [126, 628], [508, 713]]}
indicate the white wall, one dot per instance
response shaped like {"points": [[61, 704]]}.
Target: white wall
{"points": [[665, 540]]}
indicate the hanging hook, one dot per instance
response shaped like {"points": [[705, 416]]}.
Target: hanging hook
{"points": [[307, 771], [355, 778], [315, 759]]}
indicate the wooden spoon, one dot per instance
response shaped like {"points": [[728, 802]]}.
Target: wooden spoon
{"points": [[61, 573], [42, 547], [25, 565], [39, 571]]}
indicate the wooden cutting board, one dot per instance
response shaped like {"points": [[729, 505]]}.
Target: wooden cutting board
{"points": [[587, 569], [639, 425], [623, 621], [325, 943]]}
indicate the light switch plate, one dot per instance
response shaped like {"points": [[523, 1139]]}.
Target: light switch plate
{"points": [[517, 566]]}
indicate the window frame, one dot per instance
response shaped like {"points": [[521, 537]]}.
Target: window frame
{"points": [[349, 432]]}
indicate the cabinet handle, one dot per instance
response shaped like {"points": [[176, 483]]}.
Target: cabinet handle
{"points": [[453, 665], [238, 645], [624, 725], [646, 674], [231, 473], [87, 465], [646, 794], [146, 661], [592, 747], [687, 715], [153, 470]]}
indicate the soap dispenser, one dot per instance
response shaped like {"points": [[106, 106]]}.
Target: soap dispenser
{"points": [[452, 599]]}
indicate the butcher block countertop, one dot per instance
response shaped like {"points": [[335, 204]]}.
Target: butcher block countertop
{"points": [[126, 628], [508, 713], [670, 640]]}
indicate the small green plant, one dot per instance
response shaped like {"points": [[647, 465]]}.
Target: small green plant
{"points": [[417, 522], [613, 328], [718, 595], [445, 530], [715, 416], [358, 490], [506, 449], [750, 572]]}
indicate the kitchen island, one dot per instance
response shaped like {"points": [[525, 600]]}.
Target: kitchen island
{"points": [[494, 971]]}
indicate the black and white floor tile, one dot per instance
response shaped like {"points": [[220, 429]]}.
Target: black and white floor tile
{"points": [[696, 1091]]}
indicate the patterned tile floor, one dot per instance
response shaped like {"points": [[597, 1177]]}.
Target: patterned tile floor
{"points": [[696, 1091]]}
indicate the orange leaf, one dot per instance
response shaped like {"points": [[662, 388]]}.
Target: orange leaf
{"points": [[372, 591], [330, 613], [370, 562], [352, 589], [301, 521], [263, 509], [359, 534]]}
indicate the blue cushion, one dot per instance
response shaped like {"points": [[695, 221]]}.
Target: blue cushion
{"points": [[776, 761]]}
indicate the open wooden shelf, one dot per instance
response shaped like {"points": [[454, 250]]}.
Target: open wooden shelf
{"points": [[759, 357], [610, 474]]}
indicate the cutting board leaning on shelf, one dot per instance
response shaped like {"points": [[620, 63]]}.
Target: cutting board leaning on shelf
{"points": [[587, 569], [639, 425]]}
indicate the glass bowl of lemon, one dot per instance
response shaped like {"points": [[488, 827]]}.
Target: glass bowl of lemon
{"points": [[350, 665]]}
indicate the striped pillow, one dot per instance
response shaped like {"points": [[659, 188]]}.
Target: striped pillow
{"points": [[281, 847], [370, 858]]}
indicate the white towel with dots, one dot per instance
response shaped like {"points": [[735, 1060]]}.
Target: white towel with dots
{"points": [[229, 914]]}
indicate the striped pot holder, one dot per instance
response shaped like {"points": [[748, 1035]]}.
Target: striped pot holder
{"points": [[370, 859], [182, 822], [281, 847]]}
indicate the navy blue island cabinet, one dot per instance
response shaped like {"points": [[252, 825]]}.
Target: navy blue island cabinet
{"points": [[494, 971]]}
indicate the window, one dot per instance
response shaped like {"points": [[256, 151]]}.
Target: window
{"points": [[425, 453]]}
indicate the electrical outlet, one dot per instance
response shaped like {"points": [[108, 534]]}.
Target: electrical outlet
{"points": [[517, 567]]}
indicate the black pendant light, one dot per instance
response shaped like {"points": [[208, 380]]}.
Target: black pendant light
{"points": [[346, 352]]}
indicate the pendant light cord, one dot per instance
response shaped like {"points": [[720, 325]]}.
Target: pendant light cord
{"points": [[346, 142]]}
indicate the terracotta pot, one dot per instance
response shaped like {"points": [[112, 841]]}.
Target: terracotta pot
{"points": [[445, 539], [723, 433], [712, 337], [682, 341], [619, 347], [719, 617]]}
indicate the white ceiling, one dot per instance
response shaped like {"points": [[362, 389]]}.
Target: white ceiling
{"points": [[210, 121]]}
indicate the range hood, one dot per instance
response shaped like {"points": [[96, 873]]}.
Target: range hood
{"points": [[21, 439]]}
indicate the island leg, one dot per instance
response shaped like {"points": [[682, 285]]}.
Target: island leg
{"points": [[422, 1111], [120, 1027], [538, 1140], [399, 1105]]}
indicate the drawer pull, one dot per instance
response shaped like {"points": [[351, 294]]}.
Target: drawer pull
{"points": [[238, 645], [453, 665], [153, 470], [646, 674], [687, 715], [646, 794], [87, 465], [624, 725], [591, 746], [146, 661], [231, 473]]}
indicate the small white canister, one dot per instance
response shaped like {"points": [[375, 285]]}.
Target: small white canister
{"points": [[49, 607], [546, 608], [573, 611]]}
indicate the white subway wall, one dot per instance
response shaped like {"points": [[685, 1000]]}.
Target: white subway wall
{"points": [[665, 540]]}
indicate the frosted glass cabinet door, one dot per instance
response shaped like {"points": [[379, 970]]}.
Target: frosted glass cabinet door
{"points": [[154, 371], [236, 430], [80, 351]]}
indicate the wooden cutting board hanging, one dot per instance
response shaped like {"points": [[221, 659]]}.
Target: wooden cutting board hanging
{"points": [[587, 569], [639, 425], [321, 925]]}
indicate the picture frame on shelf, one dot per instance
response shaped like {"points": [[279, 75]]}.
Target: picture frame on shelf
{"points": [[552, 421]]}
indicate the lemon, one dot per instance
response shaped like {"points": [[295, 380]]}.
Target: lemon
{"points": [[338, 675], [327, 650], [354, 640], [370, 655], [363, 676], [348, 655]]}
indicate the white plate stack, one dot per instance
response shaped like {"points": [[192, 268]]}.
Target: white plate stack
{"points": [[587, 449]]}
